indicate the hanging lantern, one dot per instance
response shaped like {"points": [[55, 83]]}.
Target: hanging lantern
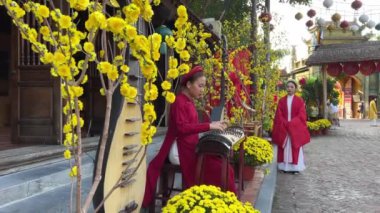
{"points": [[311, 13], [298, 16], [363, 18], [327, 3], [350, 68], [336, 17], [356, 5], [377, 27], [354, 27], [334, 69], [265, 17], [321, 22], [367, 67], [309, 23], [344, 24], [331, 27], [371, 24]]}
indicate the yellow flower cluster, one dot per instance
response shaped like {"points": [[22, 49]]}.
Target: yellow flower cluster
{"points": [[206, 198], [319, 124], [257, 151]]}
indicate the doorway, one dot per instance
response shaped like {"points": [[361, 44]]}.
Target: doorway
{"points": [[5, 106]]}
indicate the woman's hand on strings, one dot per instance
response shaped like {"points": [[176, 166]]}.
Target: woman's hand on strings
{"points": [[218, 125]]}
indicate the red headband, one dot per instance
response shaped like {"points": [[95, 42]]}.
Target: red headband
{"points": [[190, 74]]}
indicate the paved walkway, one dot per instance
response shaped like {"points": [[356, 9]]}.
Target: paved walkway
{"points": [[342, 174]]}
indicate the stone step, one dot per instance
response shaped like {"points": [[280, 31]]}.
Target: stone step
{"points": [[53, 201], [40, 179], [14, 160]]}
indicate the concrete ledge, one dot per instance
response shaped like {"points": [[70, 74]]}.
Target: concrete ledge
{"points": [[13, 160], [264, 199]]}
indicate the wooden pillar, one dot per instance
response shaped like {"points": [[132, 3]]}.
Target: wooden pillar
{"points": [[324, 86], [366, 96]]}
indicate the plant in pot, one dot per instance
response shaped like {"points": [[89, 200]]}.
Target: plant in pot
{"points": [[206, 198], [257, 152]]}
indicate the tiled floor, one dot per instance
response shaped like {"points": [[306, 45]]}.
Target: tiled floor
{"points": [[252, 188]]}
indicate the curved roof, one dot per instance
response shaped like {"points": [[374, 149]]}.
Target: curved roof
{"points": [[351, 52]]}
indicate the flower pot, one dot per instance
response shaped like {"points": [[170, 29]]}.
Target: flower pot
{"points": [[248, 172]]}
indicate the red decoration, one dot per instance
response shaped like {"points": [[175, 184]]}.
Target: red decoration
{"points": [[356, 5], [367, 67], [311, 13], [334, 69], [309, 23], [344, 24], [302, 81], [351, 68], [265, 17]]}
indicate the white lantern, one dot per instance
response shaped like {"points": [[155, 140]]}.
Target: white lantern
{"points": [[363, 18], [327, 3], [321, 22], [354, 27], [371, 24]]}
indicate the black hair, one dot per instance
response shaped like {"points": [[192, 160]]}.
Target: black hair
{"points": [[293, 82], [195, 77]]}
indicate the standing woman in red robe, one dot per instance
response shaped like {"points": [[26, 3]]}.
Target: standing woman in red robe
{"points": [[184, 127], [290, 131]]}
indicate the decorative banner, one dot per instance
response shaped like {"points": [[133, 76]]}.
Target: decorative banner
{"points": [[334, 69], [367, 67], [351, 68]]}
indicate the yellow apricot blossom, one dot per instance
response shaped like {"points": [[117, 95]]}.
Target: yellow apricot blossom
{"points": [[67, 154], [166, 85]]}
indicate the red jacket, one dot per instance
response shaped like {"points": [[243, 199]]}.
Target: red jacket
{"points": [[183, 127], [296, 128]]}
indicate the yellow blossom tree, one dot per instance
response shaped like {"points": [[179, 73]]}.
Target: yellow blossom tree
{"points": [[58, 41]]}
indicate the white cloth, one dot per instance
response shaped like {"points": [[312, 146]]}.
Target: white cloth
{"points": [[288, 157], [173, 154]]}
